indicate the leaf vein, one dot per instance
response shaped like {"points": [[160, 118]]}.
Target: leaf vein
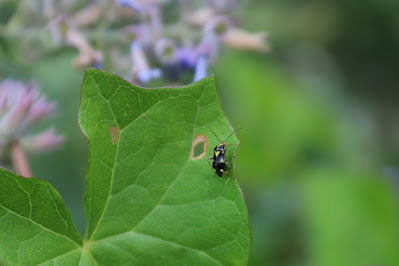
{"points": [[177, 244], [58, 256], [125, 251], [41, 226]]}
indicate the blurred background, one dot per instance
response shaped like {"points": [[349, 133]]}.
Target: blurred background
{"points": [[319, 156]]}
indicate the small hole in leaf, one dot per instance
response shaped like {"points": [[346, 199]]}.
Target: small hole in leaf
{"points": [[198, 149]]}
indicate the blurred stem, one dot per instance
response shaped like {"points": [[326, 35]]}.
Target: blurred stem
{"points": [[19, 160]]}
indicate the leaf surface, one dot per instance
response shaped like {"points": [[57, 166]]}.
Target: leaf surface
{"points": [[35, 226], [151, 196]]}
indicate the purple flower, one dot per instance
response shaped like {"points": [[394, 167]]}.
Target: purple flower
{"points": [[201, 67], [141, 69], [165, 49], [21, 107], [57, 27], [138, 33], [218, 26], [136, 5], [148, 8], [207, 52], [186, 58]]}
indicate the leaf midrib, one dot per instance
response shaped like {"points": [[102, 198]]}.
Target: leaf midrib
{"points": [[117, 149], [115, 159]]}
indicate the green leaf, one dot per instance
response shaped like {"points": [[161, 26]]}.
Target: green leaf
{"points": [[35, 226], [149, 199]]}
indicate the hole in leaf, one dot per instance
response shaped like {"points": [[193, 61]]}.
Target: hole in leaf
{"points": [[199, 147]]}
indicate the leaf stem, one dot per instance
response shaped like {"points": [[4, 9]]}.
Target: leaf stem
{"points": [[19, 160]]}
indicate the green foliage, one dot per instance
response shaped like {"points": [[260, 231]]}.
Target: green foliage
{"points": [[35, 225], [296, 143], [147, 200], [351, 221], [288, 129]]}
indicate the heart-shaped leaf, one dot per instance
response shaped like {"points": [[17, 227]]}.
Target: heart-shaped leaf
{"points": [[151, 196]]}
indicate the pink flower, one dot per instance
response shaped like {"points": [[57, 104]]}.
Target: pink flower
{"points": [[21, 108], [44, 141]]}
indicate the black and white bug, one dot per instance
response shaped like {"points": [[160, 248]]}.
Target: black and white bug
{"points": [[220, 163]]}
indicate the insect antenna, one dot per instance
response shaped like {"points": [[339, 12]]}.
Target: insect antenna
{"points": [[232, 134], [215, 135]]}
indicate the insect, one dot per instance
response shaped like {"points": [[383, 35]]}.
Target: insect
{"points": [[220, 163]]}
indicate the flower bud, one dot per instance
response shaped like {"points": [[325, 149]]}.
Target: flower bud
{"points": [[218, 26], [241, 39], [44, 141]]}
